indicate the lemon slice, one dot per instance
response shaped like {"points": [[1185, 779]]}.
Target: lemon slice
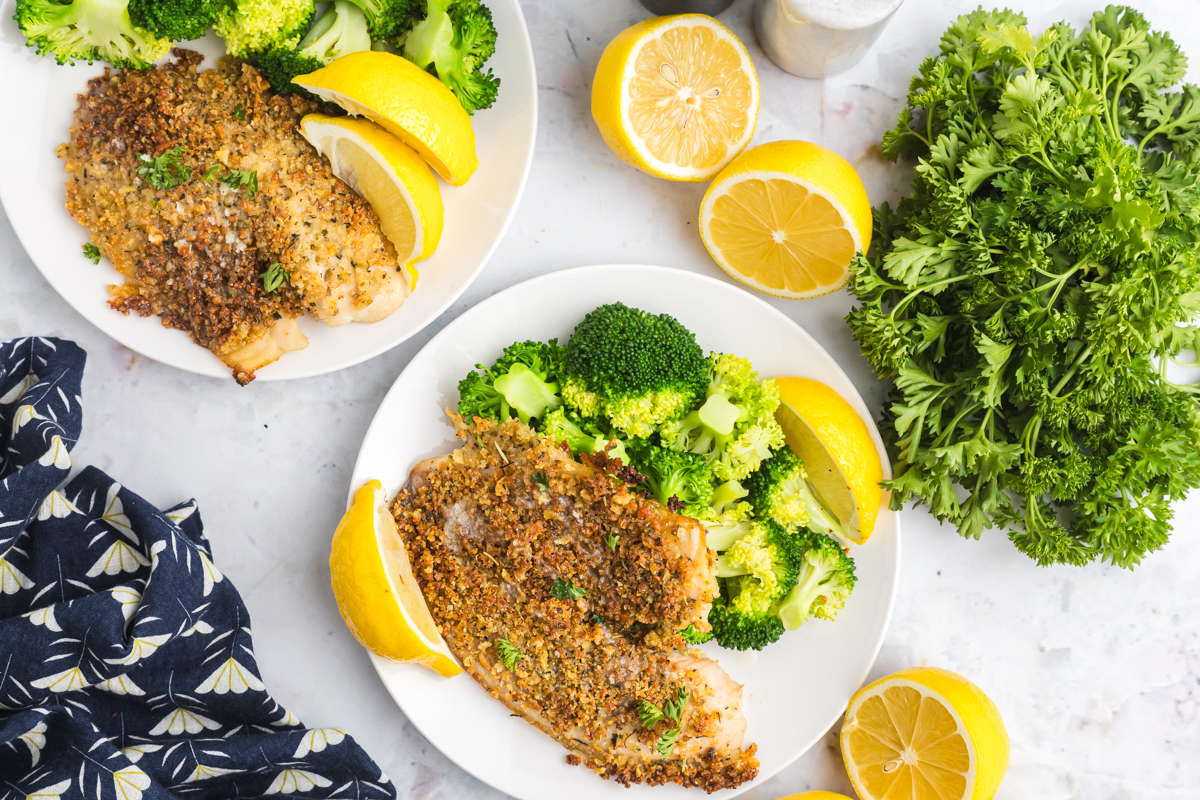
{"points": [[838, 452], [389, 174], [924, 734], [817, 795], [375, 590], [676, 96], [786, 218], [407, 101]]}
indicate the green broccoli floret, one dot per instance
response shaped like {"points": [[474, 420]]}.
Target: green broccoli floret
{"points": [[742, 630], [389, 18], [88, 30], [177, 20], [681, 481], [340, 30], [638, 369], [758, 572], [826, 578], [452, 40], [523, 383], [582, 435], [256, 26], [779, 489], [735, 427], [693, 636]]}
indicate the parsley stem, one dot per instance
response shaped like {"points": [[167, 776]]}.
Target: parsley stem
{"points": [[912, 295]]}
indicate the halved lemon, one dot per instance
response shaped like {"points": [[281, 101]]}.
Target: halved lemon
{"points": [[376, 593], [786, 218], [838, 452], [390, 175], [924, 734], [407, 101], [676, 96]]}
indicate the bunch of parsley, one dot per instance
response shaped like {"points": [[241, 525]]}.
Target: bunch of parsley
{"points": [[1027, 295]]}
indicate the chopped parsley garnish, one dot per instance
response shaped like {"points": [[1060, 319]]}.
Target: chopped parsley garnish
{"points": [[666, 742], [611, 540], [164, 171], [567, 590], [212, 172], [237, 178], [539, 480], [274, 277], [91, 251], [239, 112], [509, 655], [649, 713], [599, 620], [672, 710]]}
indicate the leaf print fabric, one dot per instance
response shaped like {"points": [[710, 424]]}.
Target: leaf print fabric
{"points": [[127, 668]]}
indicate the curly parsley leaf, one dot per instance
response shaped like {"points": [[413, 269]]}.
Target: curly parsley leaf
{"points": [[666, 742], [238, 178], [1025, 298], [567, 590], [509, 655], [649, 713], [274, 277], [163, 171], [91, 252]]}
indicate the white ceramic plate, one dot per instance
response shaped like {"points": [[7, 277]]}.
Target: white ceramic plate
{"points": [[40, 98], [794, 690]]}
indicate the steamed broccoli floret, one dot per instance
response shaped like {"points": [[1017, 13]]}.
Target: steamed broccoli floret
{"points": [[723, 534], [735, 427], [340, 30], [693, 636], [522, 383], [826, 578], [453, 40], [638, 369], [88, 30], [177, 20], [779, 489], [741, 630], [758, 571], [256, 26], [388, 18], [684, 478], [582, 435]]}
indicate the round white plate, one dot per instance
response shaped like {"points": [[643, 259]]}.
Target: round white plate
{"points": [[794, 690], [41, 96]]}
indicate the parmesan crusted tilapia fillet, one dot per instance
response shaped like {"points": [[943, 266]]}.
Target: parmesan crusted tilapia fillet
{"points": [[196, 249], [501, 531]]}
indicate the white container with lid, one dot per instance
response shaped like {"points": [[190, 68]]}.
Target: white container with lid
{"points": [[815, 38]]}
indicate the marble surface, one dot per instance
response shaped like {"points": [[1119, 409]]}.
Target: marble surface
{"points": [[1096, 670]]}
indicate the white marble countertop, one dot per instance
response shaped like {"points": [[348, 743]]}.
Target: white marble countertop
{"points": [[1096, 670]]}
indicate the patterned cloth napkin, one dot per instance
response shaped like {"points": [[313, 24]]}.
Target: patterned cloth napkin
{"points": [[126, 664]]}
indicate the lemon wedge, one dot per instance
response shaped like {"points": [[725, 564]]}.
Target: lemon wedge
{"points": [[676, 96], [839, 455], [389, 174], [407, 101], [786, 218], [925, 734], [375, 590]]}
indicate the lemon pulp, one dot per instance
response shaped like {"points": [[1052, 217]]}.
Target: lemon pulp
{"points": [[689, 97]]}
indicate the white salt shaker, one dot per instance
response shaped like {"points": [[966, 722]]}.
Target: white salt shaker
{"points": [[815, 38]]}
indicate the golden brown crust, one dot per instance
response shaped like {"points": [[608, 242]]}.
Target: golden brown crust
{"points": [[491, 528], [194, 254]]}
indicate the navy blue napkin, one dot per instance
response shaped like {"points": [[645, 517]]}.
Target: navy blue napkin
{"points": [[127, 669]]}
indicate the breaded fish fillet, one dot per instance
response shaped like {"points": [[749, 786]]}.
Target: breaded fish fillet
{"points": [[510, 539], [246, 195]]}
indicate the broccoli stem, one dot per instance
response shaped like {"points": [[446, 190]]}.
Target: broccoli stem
{"points": [[723, 535], [527, 392], [797, 606], [729, 569]]}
